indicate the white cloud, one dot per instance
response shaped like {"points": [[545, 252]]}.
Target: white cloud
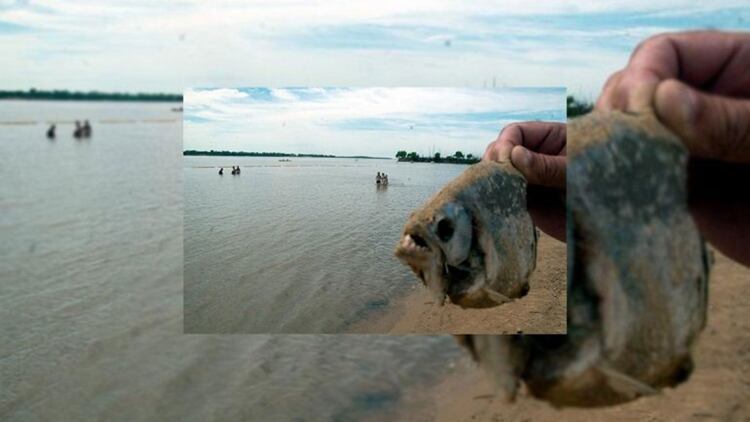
{"points": [[142, 45], [364, 121]]}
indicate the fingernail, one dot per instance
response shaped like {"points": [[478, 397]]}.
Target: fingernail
{"points": [[520, 156], [676, 105]]}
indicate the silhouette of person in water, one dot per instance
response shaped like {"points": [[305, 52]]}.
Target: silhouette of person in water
{"points": [[51, 132], [78, 132], [86, 129], [378, 179], [221, 171]]}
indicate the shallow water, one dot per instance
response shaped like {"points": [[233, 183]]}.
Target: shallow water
{"points": [[299, 247], [91, 295]]}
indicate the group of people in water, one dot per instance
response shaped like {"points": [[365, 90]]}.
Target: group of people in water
{"points": [[81, 130], [381, 179], [235, 170]]}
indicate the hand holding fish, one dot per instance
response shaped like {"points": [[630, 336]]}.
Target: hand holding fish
{"points": [[537, 150], [698, 85]]}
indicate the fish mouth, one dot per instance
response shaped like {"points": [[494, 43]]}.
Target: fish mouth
{"points": [[445, 270], [415, 252], [413, 243]]}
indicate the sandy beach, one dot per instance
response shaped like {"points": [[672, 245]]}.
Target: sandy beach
{"points": [[717, 390], [541, 311]]}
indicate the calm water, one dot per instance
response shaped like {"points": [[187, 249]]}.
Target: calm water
{"points": [[91, 270], [299, 247]]}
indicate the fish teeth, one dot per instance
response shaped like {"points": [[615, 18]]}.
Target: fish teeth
{"points": [[408, 243]]}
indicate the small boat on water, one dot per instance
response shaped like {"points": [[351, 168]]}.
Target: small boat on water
{"points": [[285, 160]]}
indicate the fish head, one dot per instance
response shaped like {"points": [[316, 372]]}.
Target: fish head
{"points": [[439, 244]]}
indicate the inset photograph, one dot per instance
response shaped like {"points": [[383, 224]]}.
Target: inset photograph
{"points": [[371, 210]]}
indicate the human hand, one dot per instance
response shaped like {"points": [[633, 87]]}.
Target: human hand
{"points": [[698, 85], [537, 150]]}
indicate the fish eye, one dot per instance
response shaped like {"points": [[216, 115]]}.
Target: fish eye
{"points": [[445, 229]]}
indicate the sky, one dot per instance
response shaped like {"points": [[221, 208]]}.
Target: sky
{"points": [[143, 45], [361, 121]]}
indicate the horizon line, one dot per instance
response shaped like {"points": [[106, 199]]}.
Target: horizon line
{"points": [[226, 153]]}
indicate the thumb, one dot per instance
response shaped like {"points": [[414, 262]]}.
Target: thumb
{"points": [[711, 126], [539, 169]]}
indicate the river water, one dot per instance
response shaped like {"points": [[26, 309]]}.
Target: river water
{"points": [[91, 306], [304, 246]]}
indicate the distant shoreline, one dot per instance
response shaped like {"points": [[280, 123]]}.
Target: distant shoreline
{"points": [[64, 95], [191, 152]]}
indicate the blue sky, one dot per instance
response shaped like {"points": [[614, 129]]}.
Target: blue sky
{"points": [[166, 46], [361, 121]]}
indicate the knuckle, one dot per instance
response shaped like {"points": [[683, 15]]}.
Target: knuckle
{"points": [[512, 133], [654, 41]]}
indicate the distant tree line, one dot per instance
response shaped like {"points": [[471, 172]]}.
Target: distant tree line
{"points": [[575, 108], [578, 107], [63, 95], [457, 158], [253, 154]]}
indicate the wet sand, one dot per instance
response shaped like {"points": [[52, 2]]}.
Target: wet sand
{"points": [[717, 390], [541, 311]]}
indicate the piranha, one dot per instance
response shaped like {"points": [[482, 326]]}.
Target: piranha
{"points": [[474, 241], [638, 273]]}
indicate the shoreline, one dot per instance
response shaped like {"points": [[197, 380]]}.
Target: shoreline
{"points": [[253, 154], [542, 311], [717, 389]]}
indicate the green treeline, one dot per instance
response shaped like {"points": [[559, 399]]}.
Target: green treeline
{"points": [[275, 154], [253, 154], [577, 107], [63, 95], [457, 158]]}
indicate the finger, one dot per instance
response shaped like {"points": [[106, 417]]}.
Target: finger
{"points": [[710, 60], [499, 149], [631, 89], [540, 169], [553, 142], [608, 96], [542, 137], [711, 126]]}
